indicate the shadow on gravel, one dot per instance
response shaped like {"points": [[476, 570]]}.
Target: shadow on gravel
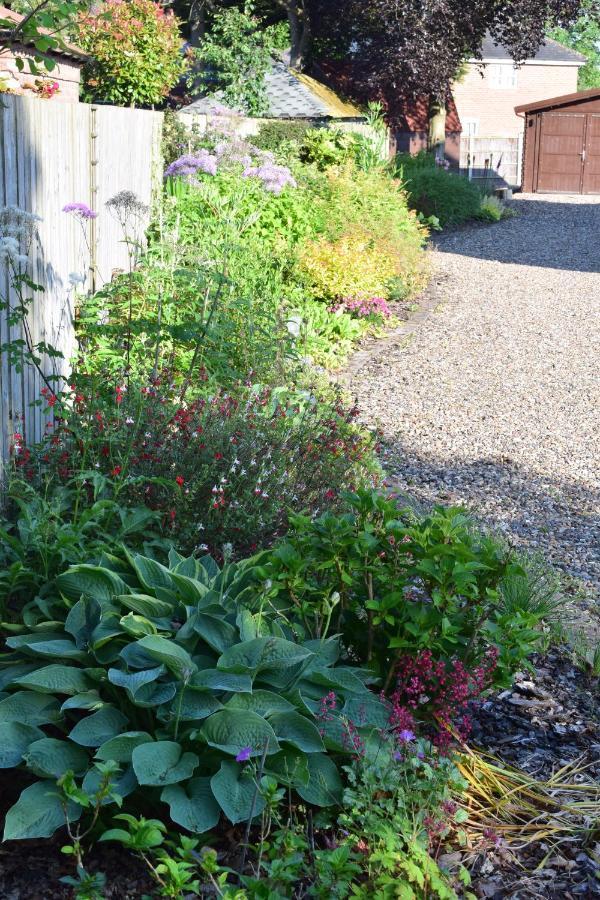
{"points": [[549, 234], [559, 518]]}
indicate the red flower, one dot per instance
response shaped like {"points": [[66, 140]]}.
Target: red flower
{"points": [[116, 471], [180, 480]]}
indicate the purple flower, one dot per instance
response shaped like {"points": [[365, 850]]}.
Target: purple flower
{"points": [[80, 210], [273, 177], [398, 756], [244, 754], [189, 165], [406, 735]]}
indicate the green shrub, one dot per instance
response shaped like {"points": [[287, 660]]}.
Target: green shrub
{"points": [[135, 51], [404, 584], [170, 674], [277, 136], [432, 191]]}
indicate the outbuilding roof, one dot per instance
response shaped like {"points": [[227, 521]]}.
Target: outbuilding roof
{"points": [[291, 95], [549, 52], [563, 100], [65, 49]]}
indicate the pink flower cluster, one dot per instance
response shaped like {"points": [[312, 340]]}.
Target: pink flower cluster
{"points": [[439, 691], [363, 307]]}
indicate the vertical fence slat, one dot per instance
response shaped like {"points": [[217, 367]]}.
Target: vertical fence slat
{"points": [[45, 162]]}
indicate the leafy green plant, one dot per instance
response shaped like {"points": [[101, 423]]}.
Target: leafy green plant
{"points": [[179, 676], [432, 191], [492, 209], [326, 147], [400, 583], [135, 51], [234, 58], [281, 137]]}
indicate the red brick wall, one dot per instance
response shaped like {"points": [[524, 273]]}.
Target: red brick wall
{"points": [[493, 107], [66, 72]]}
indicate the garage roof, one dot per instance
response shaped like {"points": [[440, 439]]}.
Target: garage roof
{"points": [[564, 100]]}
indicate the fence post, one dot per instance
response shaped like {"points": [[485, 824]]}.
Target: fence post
{"points": [[471, 156], [520, 142], [93, 196]]}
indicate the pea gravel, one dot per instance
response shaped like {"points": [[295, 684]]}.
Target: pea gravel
{"points": [[493, 400]]}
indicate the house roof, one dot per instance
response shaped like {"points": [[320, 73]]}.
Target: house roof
{"points": [[564, 100], [66, 49], [291, 95], [549, 52]]}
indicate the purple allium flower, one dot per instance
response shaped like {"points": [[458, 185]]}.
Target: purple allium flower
{"points": [[80, 210], [189, 165], [273, 177], [244, 754], [406, 735]]}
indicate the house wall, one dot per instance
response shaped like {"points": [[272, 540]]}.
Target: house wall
{"points": [[486, 98], [66, 72]]}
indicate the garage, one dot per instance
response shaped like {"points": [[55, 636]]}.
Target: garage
{"points": [[562, 144]]}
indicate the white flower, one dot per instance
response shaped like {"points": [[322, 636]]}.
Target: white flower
{"points": [[200, 527], [202, 546], [129, 420]]}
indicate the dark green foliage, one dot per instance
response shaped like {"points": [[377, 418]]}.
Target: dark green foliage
{"points": [[168, 673], [277, 135], [394, 583], [452, 199]]}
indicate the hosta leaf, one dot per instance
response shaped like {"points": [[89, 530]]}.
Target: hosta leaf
{"points": [[289, 766], [367, 710], [121, 747], [89, 700], [145, 605], [235, 792], [172, 655], [95, 582], [188, 589], [162, 762], [326, 652], [46, 644], [325, 785], [83, 618], [133, 681], [10, 674], [15, 739], [51, 758], [232, 729], [214, 680], [151, 574], [123, 785], [192, 805], [217, 633], [30, 708], [94, 730], [295, 729], [137, 625], [192, 707], [262, 702], [56, 679], [38, 813], [252, 656], [337, 679]]}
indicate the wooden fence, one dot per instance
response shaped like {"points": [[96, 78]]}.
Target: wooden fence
{"points": [[52, 154]]}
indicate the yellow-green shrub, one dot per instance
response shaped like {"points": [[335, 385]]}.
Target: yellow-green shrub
{"points": [[353, 265]]}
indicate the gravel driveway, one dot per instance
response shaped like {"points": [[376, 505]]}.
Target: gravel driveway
{"points": [[494, 401]]}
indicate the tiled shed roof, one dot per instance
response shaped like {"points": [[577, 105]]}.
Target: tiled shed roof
{"points": [[550, 51], [291, 96]]}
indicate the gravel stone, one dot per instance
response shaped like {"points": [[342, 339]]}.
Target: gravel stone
{"points": [[493, 402]]}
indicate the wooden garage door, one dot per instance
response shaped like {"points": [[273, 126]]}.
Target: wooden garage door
{"points": [[562, 141], [591, 168]]}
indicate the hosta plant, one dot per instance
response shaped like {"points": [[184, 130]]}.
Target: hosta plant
{"points": [[180, 677]]}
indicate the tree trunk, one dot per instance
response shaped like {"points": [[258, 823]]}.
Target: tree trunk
{"points": [[197, 22], [436, 142], [299, 32]]}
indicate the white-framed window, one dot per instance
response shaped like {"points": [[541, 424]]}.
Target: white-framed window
{"points": [[470, 127], [503, 76]]}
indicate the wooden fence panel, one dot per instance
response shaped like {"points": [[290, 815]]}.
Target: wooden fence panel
{"points": [[51, 154]]}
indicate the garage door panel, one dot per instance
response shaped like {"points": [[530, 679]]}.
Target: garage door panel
{"points": [[560, 145], [591, 171], [563, 125], [561, 153]]}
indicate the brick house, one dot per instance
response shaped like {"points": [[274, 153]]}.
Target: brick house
{"points": [[487, 93], [66, 73]]}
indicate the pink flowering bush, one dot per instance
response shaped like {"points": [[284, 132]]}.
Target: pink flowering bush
{"points": [[363, 307]]}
